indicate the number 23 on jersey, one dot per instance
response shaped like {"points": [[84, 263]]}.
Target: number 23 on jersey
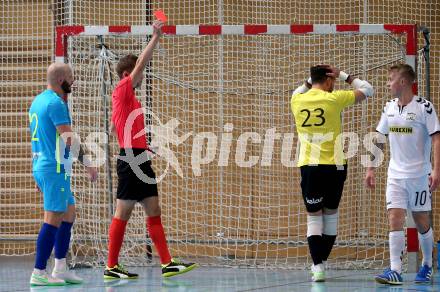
{"points": [[313, 117]]}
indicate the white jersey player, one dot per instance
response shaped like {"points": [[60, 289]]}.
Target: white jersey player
{"points": [[412, 125]]}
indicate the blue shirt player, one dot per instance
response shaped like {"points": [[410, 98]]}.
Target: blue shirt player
{"points": [[51, 165]]}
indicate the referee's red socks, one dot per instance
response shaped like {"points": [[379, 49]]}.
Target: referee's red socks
{"points": [[116, 237], [157, 235]]}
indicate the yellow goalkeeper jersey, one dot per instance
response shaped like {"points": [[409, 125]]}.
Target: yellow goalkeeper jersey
{"points": [[317, 116]]}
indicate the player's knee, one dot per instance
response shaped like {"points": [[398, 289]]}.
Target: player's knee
{"points": [[396, 223], [153, 211], [69, 216], [396, 218], [422, 223], [151, 207], [314, 225], [123, 213], [423, 228], [328, 211], [53, 218], [330, 224]]}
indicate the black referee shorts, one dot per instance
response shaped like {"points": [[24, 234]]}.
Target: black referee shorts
{"points": [[322, 186], [132, 187]]}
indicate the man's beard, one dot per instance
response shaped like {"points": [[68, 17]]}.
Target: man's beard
{"points": [[66, 87]]}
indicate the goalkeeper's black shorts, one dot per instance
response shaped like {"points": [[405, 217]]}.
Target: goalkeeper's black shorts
{"points": [[322, 186]]}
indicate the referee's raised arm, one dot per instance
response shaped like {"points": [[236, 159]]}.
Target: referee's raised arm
{"points": [[146, 55]]}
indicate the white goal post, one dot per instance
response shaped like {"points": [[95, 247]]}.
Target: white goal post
{"points": [[229, 80]]}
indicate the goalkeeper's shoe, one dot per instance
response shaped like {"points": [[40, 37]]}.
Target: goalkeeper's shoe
{"points": [[389, 277], [176, 267], [42, 278], [424, 275], [118, 272], [318, 273]]}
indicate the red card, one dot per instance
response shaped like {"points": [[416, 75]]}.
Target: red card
{"points": [[160, 16]]}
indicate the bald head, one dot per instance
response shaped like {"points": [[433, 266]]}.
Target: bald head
{"points": [[60, 77], [57, 71]]}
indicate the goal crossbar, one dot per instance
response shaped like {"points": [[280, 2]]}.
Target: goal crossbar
{"points": [[410, 30]]}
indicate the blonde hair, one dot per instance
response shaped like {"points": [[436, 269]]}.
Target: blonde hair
{"points": [[405, 70]]}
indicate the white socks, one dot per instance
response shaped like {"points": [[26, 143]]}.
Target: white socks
{"points": [[60, 265], [39, 272], [426, 244], [314, 225], [330, 224], [397, 245]]}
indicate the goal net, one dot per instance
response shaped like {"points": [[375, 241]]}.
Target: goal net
{"points": [[217, 99]]}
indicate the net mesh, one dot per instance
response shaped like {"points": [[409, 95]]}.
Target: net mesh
{"points": [[239, 225], [237, 205]]}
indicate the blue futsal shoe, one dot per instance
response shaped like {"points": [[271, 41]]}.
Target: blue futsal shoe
{"points": [[424, 275], [389, 277]]}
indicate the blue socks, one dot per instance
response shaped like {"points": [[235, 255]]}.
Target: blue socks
{"points": [[49, 237], [45, 243], [62, 240]]}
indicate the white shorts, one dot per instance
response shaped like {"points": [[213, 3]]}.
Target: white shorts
{"points": [[409, 193]]}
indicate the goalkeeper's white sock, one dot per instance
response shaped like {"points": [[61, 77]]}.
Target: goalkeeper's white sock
{"points": [[426, 242], [397, 244], [314, 238], [329, 234]]}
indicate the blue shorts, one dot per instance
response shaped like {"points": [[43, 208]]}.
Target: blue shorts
{"points": [[57, 194]]}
